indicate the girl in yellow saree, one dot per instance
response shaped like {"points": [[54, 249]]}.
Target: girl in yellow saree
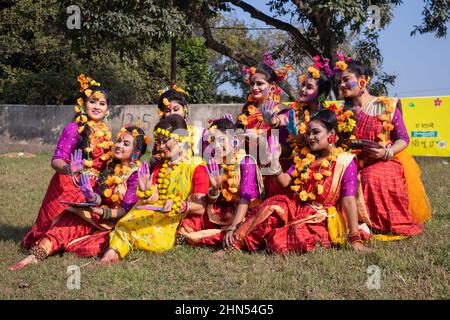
{"points": [[177, 187]]}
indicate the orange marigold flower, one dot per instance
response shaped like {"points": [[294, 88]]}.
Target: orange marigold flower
{"points": [[251, 109], [107, 193], [318, 176], [88, 93], [114, 198], [304, 195], [388, 126], [135, 133], [80, 102]]}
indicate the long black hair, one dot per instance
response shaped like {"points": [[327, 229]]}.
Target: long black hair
{"points": [[139, 148]]}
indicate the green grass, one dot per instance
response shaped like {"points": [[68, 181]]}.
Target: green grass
{"points": [[416, 268]]}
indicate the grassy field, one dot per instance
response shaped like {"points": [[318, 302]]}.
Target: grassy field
{"points": [[416, 268]]}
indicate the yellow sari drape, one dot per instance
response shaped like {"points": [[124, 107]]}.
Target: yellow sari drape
{"points": [[151, 230]]}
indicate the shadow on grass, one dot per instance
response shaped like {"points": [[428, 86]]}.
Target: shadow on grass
{"points": [[13, 233]]}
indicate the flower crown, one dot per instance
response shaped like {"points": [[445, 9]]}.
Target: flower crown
{"points": [[170, 135], [135, 133], [85, 84], [174, 87], [341, 64], [281, 73], [314, 71]]}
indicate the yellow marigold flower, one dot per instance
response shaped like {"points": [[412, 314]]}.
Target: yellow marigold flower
{"points": [[80, 102], [302, 128], [109, 181], [342, 65], [304, 195], [80, 129], [88, 93], [304, 176], [327, 173], [88, 149], [325, 163], [97, 95], [228, 196], [77, 109], [88, 163], [304, 151], [294, 174], [251, 109], [312, 196], [114, 198], [166, 101], [319, 189], [118, 180], [233, 190], [318, 176], [383, 117], [126, 170], [135, 133], [83, 118], [310, 157], [295, 188]]}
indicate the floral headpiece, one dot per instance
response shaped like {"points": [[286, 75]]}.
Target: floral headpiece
{"points": [[85, 84], [166, 101], [170, 135], [135, 133], [281, 72], [341, 64], [314, 71]]}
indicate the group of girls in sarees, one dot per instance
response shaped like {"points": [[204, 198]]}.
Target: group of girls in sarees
{"points": [[281, 178]]}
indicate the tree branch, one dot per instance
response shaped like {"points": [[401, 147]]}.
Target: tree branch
{"points": [[294, 32]]}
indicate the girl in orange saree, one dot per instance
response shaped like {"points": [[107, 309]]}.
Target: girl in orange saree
{"points": [[320, 181]]}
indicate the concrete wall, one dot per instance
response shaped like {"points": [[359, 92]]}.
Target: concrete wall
{"points": [[36, 128]]}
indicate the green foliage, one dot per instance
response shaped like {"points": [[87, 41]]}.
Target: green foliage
{"points": [[122, 45], [436, 16]]}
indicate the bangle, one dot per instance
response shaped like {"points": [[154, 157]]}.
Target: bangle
{"points": [[389, 154], [211, 196], [67, 169]]}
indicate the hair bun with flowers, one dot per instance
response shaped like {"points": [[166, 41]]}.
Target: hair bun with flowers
{"points": [[280, 73], [87, 84]]}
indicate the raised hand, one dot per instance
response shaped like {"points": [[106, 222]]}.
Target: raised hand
{"points": [[144, 178], [76, 161], [215, 178], [228, 116], [268, 111], [291, 125], [86, 188]]}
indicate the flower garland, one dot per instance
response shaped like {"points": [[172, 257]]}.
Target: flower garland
{"points": [[163, 185], [230, 176], [302, 174], [121, 173], [389, 108]]}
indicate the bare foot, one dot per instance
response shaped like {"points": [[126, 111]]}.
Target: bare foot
{"points": [[110, 257], [359, 247], [24, 262]]}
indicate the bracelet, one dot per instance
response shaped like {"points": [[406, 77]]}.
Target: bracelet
{"points": [[277, 124], [211, 196], [95, 198], [389, 154], [106, 215], [67, 169]]}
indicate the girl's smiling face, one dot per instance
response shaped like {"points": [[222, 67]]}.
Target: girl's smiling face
{"points": [[96, 109], [259, 87], [309, 91]]}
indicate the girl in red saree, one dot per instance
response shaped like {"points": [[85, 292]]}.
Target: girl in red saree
{"points": [[231, 194], [393, 201], [85, 231], [320, 181], [84, 146]]}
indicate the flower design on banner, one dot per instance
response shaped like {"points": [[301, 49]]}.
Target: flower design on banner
{"points": [[437, 102]]}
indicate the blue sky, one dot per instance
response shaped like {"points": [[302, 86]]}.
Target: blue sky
{"points": [[421, 62]]}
